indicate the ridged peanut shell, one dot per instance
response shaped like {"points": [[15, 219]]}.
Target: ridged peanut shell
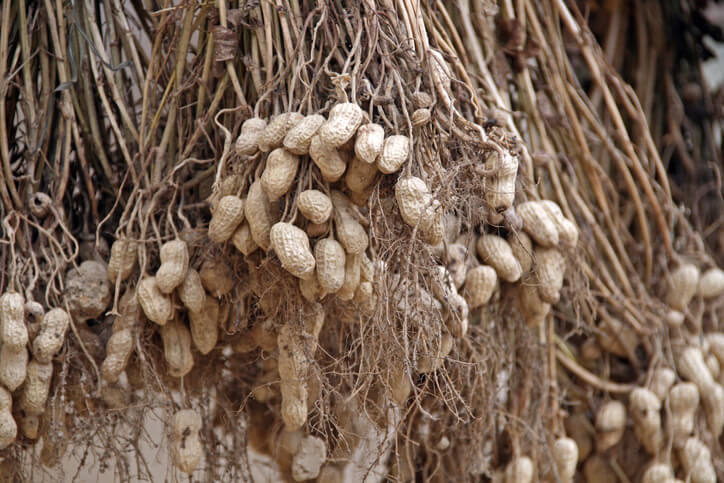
{"points": [[122, 259], [350, 233], [191, 291], [522, 247], [258, 212], [300, 136], [314, 205], [414, 201], [538, 223], [683, 401], [550, 268], [500, 193], [177, 348], [8, 427], [394, 154], [341, 125], [205, 326], [520, 470], [227, 216], [279, 173], [36, 389], [644, 408], [532, 308], [369, 142], [695, 457], [329, 160], [13, 366], [496, 252], [13, 331], [174, 265], [330, 259], [360, 175], [291, 245], [567, 230], [274, 133], [50, 339], [683, 282], [610, 423], [351, 278], [248, 141], [480, 283], [155, 304], [711, 283], [187, 449], [118, 351]]}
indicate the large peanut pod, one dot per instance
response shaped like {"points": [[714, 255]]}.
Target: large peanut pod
{"points": [[300, 136], [50, 339], [414, 201], [248, 141], [36, 388], [329, 161], [522, 247], [177, 348], [309, 458], [315, 206], [532, 308], [13, 332], [8, 427], [711, 283], [520, 470], [187, 450], [645, 408], [243, 240], [191, 291], [659, 473], [683, 401], [350, 233], [279, 173], [13, 366], [360, 175], [369, 142], [565, 456], [496, 252], [157, 306], [122, 260], [274, 133], [341, 125], [259, 215], [567, 230], [695, 457], [205, 325], [291, 245], [351, 278], [480, 283], [691, 366], [550, 266], [293, 366], [118, 350], [330, 261], [501, 192], [394, 154], [227, 216], [538, 223], [174, 265], [610, 424], [682, 286]]}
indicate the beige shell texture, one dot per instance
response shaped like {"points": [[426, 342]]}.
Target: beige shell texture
{"points": [[341, 125], [330, 264], [36, 388], [369, 142], [191, 291], [258, 212], [300, 136], [522, 247], [360, 175], [328, 159], [118, 350], [177, 348], [274, 133], [538, 223], [51, 337], [248, 141], [280, 173], [496, 252], [13, 366], [550, 267], [500, 193], [227, 216], [711, 283], [315, 206], [682, 284], [352, 277], [243, 240], [205, 326], [217, 277], [174, 265], [414, 201], [394, 154], [480, 283], [291, 245], [13, 331], [350, 233], [122, 260], [155, 304]]}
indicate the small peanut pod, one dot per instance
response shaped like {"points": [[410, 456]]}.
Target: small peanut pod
{"points": [[365, 297], [441, 75], [501, 192], [532, 308], [13, 366], [351, 278], [122, 259], [711, 283], [118, 351], [522, 247], [480, 283], [315, 206], [259, 215], [565, 456], [205, 325], [645, 408], [243, 240], [369, 142], [330, 260], [695, 457], [394, 154], [550, 268], [274, 133], [691, 366], [610, 424], [191, 291], [157, 306], [279, 173], [248, 141], [309, 458], [300, 136], [350, 233], [520, 470], [293, 366], [538, 223], [662, 380], [52, 334], [13, 332], [177, 348], [683, 401], [567, 230], [187, 449], [36, 389], [360, 175], [291, 245], [227, 216], [344, 119], [8, 427], [682, 286], [174, 265], [658, 473], [496, 252], [329, 161], [415, 202]]}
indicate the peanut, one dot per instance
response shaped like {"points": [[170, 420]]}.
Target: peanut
{"points": [[279, 173], [496, 252], [538, 223], [416, 204], [259, 215], [122, 259], [369, 142], [692, 367], [191, 291], [292, 372], [658, 473], [8, 427], [311, 289], [300, 136], [217, 277], [174, 265], [431, 362], [394, 154], [177, 348], [205, 325], [243, 240], [156, 305], [501, 192], [187, 449], [328, 159], [550, 268], [248, 141], [661, 381], [13, 332], [711, 283], [36, 388], [567, 230], [682, 286], [480, 283], [565, 456], [291, 245], [420, 117], [695, 457], [274, 133], [330, 260], [644, 408], [350, 233], [344, 119], [118, 351], [315, 206], [360, 175], [13, 366], [52, 334], [227, 216], [610, 424], [351, 278], [520, 470], [522, 247], [683, 402], [532, 308]]}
